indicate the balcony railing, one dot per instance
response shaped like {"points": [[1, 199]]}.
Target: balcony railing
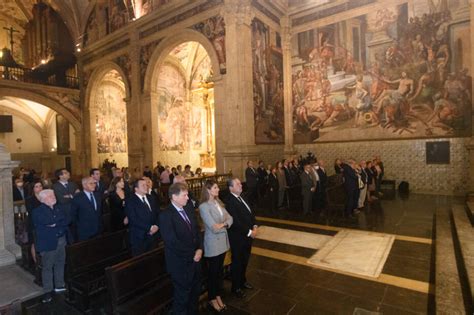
{"points": [[31, 76]]}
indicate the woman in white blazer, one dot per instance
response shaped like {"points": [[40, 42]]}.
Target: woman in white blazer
{"points": [[216, 242]]}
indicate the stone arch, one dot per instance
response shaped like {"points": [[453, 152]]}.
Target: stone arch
{"points": [[43, 100], [90, 111], [166, 46]]}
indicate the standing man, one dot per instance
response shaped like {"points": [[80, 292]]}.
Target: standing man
{"points": [[142, 219], [86, 211], [262, 181], [51, 222], [64, 191], [183, 250], [364, 179], [308, 188], [241, 234], [351, 186], [99, 183], [251, 179], [322, 185]]}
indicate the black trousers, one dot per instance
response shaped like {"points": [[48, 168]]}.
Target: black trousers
{"points": [[352, 200], [186, 289], [146, 245], [240, 259], [215, 276]]}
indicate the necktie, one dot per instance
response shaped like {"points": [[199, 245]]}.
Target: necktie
{"points": [[144, 201], [242, 201], [92, 199], [185, 218]]}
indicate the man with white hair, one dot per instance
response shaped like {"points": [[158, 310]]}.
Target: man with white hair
{"points": [[51, 224]]}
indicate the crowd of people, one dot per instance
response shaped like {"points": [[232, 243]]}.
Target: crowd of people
{"points": [[61, 213]]}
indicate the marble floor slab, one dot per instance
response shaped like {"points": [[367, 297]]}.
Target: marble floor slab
{"points": [[17, 285], [291, 237], [357, 252]]}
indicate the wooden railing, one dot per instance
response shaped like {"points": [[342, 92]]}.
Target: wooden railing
{"points": [[195, 184], [30, 76]]}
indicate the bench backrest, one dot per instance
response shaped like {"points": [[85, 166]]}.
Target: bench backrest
{"points": [[84, 255], [135, 275]]}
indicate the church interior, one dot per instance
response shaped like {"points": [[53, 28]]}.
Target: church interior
{"points": [[348, 122]]}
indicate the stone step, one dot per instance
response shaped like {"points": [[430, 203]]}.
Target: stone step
{"points": [[465, 235], [449, 298]]}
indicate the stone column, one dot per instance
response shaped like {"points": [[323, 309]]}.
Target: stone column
{"points": [[235, 117], [470, 145], [287, 85], [9, 250], [138, 114]]}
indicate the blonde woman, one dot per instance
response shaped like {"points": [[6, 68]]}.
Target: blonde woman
{"points": [[216, 242]]}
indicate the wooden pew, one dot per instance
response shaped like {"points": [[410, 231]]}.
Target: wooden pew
{"points": [[86, 262], [140, 285]]}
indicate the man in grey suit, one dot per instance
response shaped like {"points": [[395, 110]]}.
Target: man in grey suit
{"points": [[308, 187], [64, 190]]}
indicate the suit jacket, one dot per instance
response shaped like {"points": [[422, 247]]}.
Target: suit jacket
{"points": [[46, 234], [262, 176], [88, 221], [216, 241], [307, 182], [273, 183], [351, 180], [323, 180], [180, 242], [140, 219], [251, 177], [101, 188], [18, 195], [154, 200], [60, 191], [244, 220]]}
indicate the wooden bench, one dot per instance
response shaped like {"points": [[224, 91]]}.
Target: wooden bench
{"points": [[86, 262], [140, 285]]}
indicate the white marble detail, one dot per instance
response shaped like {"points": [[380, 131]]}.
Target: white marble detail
{"points": [[357, 252], [291, 237]]}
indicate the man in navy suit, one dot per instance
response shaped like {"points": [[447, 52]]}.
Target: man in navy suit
{"points": [[241, 234], [351, 185], [100, 185], [142, 216], [183, 250], [86, 211], [51, 224]]}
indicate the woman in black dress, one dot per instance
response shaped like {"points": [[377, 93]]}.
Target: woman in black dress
{"points": [[117, 198], [31, 203]]}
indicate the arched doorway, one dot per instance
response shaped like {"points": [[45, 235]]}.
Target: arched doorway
{"points": [[184, 101], [108, 119], [41, 139]]}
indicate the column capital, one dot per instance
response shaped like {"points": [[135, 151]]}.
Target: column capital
{"points": [[238, 12]]}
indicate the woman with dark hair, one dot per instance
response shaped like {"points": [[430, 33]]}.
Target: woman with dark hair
{"points": [[31, 203], [338, 166], [216, 241], [117, 198]]}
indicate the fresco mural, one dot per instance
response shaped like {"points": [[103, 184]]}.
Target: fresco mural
{"points": [[111, 119], [267, 65], [388, 74], [214, 30]]}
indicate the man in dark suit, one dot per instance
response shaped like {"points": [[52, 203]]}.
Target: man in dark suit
{"points": [[100, 186], [192, 203], [19, 190], [64, 190], [251, 179], [183, 250], [142, 219], [86, 211], [50, 222], [322, 186], [151, 195], [308, 188], [262, 181], [241, 234], [351, 186]]}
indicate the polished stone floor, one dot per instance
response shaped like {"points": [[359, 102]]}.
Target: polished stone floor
{"points": [[285, 283]]}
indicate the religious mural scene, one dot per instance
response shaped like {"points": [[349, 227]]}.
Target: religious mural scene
{"points": [[111, 118], [267, 65], [384, 75], [182, 98]]}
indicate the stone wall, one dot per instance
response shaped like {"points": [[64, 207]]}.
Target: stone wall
{"points": [[404, 160]]}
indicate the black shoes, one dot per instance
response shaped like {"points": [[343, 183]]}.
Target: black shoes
{"points": [[239, 293], [247, 286], [47, 298]]}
